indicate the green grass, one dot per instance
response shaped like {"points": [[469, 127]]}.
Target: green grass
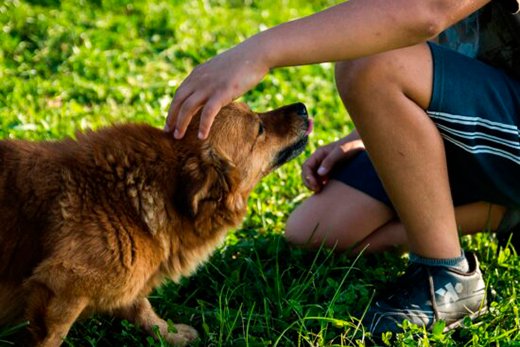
{"points": [[71, 65]]}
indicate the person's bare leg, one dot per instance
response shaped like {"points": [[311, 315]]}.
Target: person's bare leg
{"points": [[337, 217], [471, 219], [386, 96], [342, 217]]}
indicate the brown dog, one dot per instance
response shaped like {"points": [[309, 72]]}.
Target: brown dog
{"points": [[94, 224]]}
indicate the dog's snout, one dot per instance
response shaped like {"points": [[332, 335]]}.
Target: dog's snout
{"points": [[300, 109]]}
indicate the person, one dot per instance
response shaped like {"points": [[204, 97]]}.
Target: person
{"points": [[436, 145]]}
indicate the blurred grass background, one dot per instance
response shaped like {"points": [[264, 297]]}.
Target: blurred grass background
{"points": [[67, 65]]}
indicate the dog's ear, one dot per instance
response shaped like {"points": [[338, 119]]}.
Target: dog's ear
{"points": [[210, 179]]}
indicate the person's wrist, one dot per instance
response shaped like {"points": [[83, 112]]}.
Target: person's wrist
{"points": [[259, 49]]}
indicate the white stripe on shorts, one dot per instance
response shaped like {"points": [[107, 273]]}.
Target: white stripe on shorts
{"points": [[509, 149], [458, 119]]}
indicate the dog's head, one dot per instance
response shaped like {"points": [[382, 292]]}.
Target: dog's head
{"points": [[257, 143], [242, 147]]}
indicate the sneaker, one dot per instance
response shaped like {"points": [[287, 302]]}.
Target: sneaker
{"points": [[509, 229], [427, 294]]}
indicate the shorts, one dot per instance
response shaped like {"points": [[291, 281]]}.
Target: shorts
{"points": [[476, 109]]}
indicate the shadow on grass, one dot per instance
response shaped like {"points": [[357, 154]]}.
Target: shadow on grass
{"points": [[260, 291]]}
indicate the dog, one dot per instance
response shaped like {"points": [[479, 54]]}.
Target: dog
{"points": [[94, 224]]}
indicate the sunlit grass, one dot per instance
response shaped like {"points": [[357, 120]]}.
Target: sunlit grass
{"points": [[70, 65]]}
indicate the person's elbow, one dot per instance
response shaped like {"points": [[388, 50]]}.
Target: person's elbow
{"points": [[433, 17], [431, 27]]}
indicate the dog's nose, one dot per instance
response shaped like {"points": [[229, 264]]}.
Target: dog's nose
{"points": [[300, 109]]}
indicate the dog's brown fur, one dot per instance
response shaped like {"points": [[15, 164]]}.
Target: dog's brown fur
{"points": [[94, 224]]}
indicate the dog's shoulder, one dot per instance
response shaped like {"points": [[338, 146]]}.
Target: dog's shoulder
{"points": [[119, 167]]}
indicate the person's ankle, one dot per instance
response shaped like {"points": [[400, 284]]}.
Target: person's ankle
{"points": [[460, 263]]}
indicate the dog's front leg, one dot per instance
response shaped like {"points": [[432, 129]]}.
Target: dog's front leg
{"points": [[50, 314], [142, 315]]}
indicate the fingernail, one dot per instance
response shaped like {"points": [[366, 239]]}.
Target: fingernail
{"points": [[201, 135], [177, 134], [322, 171]]}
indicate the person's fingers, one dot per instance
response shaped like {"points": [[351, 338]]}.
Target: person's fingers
{"points": [[208, 114], [317, 157], [308, 178], [338, 153], [187, 110], [180, 96], [309, 168], [183, 92], [330, 160]]}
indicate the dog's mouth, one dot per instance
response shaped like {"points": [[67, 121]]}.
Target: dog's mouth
{"points": [[292, 151], [310, 126]]}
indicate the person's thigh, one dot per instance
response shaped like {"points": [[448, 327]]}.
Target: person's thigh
{"points": [[471, 218], [380, 80], [342, 217], [353, 209], [338, 217], [476, 109]]}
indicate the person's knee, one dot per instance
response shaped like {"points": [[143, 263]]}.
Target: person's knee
{"points": [[314, 224], [360, 78], [370, 79], [297, 228]]}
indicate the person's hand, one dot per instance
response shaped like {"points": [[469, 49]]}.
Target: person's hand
{"points": [[315, 170], [213, 85]]}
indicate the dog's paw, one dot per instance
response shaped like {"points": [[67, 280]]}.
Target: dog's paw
{"points": [[184, 335]]}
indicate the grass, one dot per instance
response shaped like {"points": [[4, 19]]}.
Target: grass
{"points": [[70, 65]]}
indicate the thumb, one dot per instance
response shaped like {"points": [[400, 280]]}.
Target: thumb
{"points": [[330, 160]]}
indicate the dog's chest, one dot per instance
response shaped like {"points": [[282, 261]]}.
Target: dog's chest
{"points": [[185, 256]]}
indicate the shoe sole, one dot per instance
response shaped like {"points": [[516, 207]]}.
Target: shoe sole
{"points": [[472, 317]]}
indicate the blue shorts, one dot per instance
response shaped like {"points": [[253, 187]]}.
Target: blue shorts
{"points": [[476, 109]]}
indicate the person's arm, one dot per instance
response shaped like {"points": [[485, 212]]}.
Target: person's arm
{"points": [[349, 30], [359, 28]]}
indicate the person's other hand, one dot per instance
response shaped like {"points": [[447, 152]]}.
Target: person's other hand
{"points": [[213, 85], [316, 168]]}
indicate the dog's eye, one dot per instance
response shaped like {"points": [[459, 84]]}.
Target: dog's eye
{"points": [[260, 129]]}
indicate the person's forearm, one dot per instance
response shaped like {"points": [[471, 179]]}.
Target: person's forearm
{"points": [[358, 28]]}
